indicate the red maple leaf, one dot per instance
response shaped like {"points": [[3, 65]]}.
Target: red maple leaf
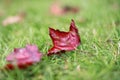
{"points": [[23, 57], [64, 41]]}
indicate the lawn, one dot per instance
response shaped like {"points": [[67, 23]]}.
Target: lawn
{"points": [[96, 58]]}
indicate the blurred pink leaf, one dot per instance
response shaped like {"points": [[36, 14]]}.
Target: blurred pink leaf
{"points": [[64, 41], [23, 57], [13, 19], [57, 10]]}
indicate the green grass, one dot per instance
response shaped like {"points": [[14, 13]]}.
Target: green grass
{"points": [[98, 56]]}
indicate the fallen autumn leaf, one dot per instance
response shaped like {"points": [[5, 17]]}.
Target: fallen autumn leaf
{"points": [[23, 57], [64, 41]]}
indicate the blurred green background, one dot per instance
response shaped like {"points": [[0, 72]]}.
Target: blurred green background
{"points": [[98, 56]]}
